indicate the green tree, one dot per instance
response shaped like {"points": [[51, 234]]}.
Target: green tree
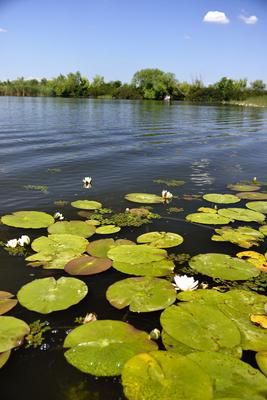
{"points": [[258, 85], [154, 83]]}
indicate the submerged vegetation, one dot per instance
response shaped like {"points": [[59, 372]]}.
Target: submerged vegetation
{"points": [[218, 313], [149, 83]]}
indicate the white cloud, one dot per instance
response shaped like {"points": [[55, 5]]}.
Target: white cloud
{"points": [[187, 37], [249, 20], [2, 30], [216, 17]]}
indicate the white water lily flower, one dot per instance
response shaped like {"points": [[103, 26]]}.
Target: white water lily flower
{"points": [[90, 317], [58, 216], [166, 195], [184, 282], [87, 182], [24, 239], [12, 243]]}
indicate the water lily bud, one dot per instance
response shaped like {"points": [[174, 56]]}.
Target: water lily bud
{"points": [[87, 182], [24, 239], [90, 317], [155, 334], [12, 243], [58, 216]]}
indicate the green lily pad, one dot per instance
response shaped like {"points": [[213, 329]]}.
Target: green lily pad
{"points": [[100, 248], [243, 236], [47, 294], [261, 358], [263, 229], [78, 228], [12, 332], [240, 187], [221, 198], [4, 358], [252, 195], [107, 229], [231, 376], [93, 222], [6, 302], [223, 266], [146, 198], [143, 294], [165, 376], [155, 268], [86, 204], [101, 348], [59, 243], [200, 327], [208, 218], [28, 219], [260, 206], [161, 239], [241, 214], [87, 265], [52, 261], [136, 254]]}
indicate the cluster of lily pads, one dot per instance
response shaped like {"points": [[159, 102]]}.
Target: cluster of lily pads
{"points": [[204, 331]]}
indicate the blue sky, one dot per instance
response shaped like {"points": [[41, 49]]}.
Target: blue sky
{"points": [[115, 38]]}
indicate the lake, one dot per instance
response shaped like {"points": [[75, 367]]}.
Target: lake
{"points": [[124, 146]]}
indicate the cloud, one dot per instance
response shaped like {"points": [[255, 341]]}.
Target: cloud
{"points": [[216, 17], [2, 30], [187, 37], [249, 20]]}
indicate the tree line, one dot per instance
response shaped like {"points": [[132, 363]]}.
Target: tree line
{"points": [[149, 83]]}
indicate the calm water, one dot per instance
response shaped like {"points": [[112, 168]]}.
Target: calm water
{"points": [[124, 146]]}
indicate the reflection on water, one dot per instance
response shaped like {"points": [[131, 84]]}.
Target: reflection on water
{"points": [[201, 175]]}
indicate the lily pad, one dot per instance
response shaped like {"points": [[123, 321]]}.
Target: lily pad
{"points": [[6, 302], [161, 239], [28, 219], [208, 218], [241, 214], [4, 358], [260, 206], [107, 229], [52, 261], [165, 376], [155, 268], [221, 198], [12, 332], [263, 229], [240, 187], [87, 265], [78, 228], [101, 348], [231, 376], [261, 358], [59, 243], [223, 266], [47, 294], [136, 254], [100, 248], [200, 327], [143, 294], [243, 236], [146, 198], [93, 222], [252, 195], [86, 204]]}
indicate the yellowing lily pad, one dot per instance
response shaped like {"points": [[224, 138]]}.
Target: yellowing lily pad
{"points": [[87, 265], [165, 376], [107, 229], [230, 376], [200, 327], [86, 204], [161, 239], [12, 332], [243, 236], [241, 214], [100, 248], [260, 206], [260, 320], [263, 229], [4, 358], [78, 228], [143, 294], [101, 348], [252, 195], [223, 266], [47, 294], [52, 260], [221, 198], [6, 302], [145, 198], [155, 268], [261, 358], [207, 210], [136, 254], [208, 218], [28, 219], [240, 187]]}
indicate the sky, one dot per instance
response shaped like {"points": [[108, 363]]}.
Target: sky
{"points": [[194, 39]]}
